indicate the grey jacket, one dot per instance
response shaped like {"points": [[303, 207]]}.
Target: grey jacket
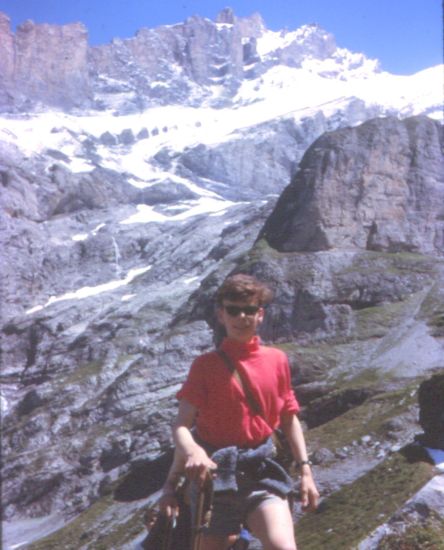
{"points": [[257, 464]]}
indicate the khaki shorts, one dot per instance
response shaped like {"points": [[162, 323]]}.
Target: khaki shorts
{"points": [[230, 509]]}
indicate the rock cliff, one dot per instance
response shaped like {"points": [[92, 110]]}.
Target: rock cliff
{"points": [[44, 64], [378, 186]]}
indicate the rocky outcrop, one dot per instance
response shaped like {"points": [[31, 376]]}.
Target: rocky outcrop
{"points": [[378, 187], [315, 248], [45, 64]]}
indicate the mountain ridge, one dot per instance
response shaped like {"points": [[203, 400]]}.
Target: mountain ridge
{"points": [[198, 62]]}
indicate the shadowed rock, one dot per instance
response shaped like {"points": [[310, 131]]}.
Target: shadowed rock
{"points": [[431, 412]]}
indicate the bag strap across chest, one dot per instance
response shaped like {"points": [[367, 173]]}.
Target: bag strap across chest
{"points": [[252, 403], [284, 455]]}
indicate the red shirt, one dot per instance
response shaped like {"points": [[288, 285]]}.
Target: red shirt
{"points": [[224, 417]]}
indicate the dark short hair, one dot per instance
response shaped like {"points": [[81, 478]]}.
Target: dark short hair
{"points": [[241, 287]]}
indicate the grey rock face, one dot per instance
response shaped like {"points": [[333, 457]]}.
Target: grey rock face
{"points": [[168, 64], [251, 166], [375, 187], [51, 65], [44, 63], [6, 47]]}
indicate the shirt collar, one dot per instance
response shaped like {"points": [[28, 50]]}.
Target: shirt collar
{"points": [[239, 349]]}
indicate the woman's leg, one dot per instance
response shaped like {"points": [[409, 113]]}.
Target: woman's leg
{"points": [[272, 524]]}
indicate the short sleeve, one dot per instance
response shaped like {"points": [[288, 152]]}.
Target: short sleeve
{"points": [[194, 387], [290, 403]]}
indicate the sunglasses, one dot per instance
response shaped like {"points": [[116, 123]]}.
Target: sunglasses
{"points": [[234, 311]]}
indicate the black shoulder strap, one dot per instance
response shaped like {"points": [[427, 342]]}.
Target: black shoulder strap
{"points": [[252, 403]]}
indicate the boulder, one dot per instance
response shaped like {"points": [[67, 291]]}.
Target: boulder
{"points": [[378, 186], [431, 412]]}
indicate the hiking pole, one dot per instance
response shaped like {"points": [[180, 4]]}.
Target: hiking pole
{"points": [[202, 511]]}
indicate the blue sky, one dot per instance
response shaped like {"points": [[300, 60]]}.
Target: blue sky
{"points": [[405, 35]]}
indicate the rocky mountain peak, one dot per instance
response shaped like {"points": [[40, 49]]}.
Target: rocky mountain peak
{"points": [[5, 23], [251, 27], [226, 16]]}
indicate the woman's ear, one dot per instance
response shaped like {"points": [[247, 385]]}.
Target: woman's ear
{"points": [[260, 315], [219, 315]]}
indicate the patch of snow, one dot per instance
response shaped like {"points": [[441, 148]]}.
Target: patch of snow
{"points": [[159, 83], [271, 41], [191, 280], [204, 205], [8, 393], [84, 236], [98, 228], [128, 297], [4, 405], [88, 291], [78, 165], [282, 91], [80, 237]]}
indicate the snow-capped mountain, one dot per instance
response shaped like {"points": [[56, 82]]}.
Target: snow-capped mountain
{"points": [[200, 63], [272, 86], [135, 175]]}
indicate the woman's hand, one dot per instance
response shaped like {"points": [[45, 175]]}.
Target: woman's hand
{"points": [[309, 492], [198, 465], [168, 504]]}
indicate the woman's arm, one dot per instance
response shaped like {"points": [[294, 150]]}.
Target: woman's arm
{"points": [[195, 460], [295, 436], [189, 458], [168, 502]]}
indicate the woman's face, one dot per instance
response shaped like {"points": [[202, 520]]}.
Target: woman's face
{"points": [[241, 319]]}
